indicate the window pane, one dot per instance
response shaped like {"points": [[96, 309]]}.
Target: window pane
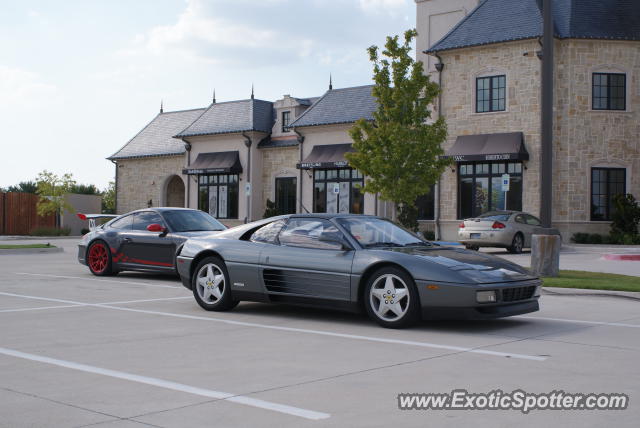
{"points": [[222, 201], [514, 195], [481, 195], [320, 174], [425, 205], [497, 195], [320, 198], [203, 199], [466, 197], [232, 196], [213, 201], [357, 199]]}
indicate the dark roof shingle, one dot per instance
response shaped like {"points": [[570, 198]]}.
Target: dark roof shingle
{"points": [[344, 105], [495, 21], [156, 138], [232, 116]]}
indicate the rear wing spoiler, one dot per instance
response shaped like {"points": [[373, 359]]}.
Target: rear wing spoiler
{"points": [[93, 217]]}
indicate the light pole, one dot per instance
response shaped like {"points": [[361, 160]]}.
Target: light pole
{"points": [[546, 117]]}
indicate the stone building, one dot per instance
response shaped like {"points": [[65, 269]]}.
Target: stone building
{"points": [[230, 158], [485, 55]]}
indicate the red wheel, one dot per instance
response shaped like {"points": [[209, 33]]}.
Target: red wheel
{"points": [[99, 259]]}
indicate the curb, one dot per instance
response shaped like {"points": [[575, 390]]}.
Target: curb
{"points": [[31, 251], [589, 248], [29, 237], [622, 257], [557, 291]]}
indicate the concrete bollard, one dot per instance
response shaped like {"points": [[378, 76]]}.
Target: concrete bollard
{"points": [[545, 255]]}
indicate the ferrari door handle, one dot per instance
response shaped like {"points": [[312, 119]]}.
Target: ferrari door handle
{"points": [[127, 239]]}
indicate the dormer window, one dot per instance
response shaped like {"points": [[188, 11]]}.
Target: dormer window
{"points": [[286, 120]]}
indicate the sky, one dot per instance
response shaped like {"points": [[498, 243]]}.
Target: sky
{"points": [[79, 78]]}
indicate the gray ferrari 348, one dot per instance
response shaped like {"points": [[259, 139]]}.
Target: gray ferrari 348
{"points": [[352, 262]]}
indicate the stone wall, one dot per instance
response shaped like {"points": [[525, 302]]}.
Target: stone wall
{"points": [[462, 67], [144, 179], [278, 162], [584, 138]]}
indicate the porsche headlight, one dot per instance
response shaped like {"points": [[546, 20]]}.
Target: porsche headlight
{"points": [[486, 296]]}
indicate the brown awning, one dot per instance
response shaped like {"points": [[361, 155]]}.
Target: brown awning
{"points": [[326, 156], [212, 163], [488, 147]]}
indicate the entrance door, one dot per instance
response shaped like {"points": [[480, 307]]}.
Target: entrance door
{"points": [[286, 189]]}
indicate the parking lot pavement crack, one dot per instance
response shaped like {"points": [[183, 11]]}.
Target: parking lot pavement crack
{"points": [[62, 403]]}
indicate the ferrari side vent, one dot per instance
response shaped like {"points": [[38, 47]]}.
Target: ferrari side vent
{"points": [[518, 293], [304, 284]]}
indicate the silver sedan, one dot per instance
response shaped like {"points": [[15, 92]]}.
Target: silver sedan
{"points": [[508, 229]]}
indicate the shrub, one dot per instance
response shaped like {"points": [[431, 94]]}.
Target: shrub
{"points": [[625, 218], [271, 210], [429, 235], [50, 231]]}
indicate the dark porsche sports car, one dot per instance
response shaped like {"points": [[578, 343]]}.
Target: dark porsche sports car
{"points": [[352, 262], [147, 240]]}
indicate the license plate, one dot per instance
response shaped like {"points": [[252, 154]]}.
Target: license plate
{"points": [[474, 235]]}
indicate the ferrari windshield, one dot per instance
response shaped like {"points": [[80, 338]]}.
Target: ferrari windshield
{"points": [[374, 232], [191, 221]]}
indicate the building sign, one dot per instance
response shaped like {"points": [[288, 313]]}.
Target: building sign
{"points": [[205, 171], [469, 158], [313, 165], [506, 181]]}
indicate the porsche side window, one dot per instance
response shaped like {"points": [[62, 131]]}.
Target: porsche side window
{"points": [[520, 219], [311, 233], [268, 233], [145, 218], [122, 223]]}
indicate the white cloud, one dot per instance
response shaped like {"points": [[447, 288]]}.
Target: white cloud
{"points": [[22, 88], [379, 6], [201, 34]]}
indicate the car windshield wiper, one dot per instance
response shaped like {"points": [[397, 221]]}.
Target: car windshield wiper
{"points": [[418, 244], [383, 244]]}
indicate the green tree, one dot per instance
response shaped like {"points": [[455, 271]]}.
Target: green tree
{"points": [[109, 199], [85, 189], [52, 189], [399, 151], [23, 187]]}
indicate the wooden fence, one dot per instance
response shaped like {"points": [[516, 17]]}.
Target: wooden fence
{"points": [[18, 214]]}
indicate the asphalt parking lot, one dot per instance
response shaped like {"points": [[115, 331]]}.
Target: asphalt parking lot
{"points": [[136, 350]]}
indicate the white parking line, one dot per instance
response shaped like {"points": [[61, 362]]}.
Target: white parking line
{"points": [[614, 324], [40, 308], [298, 330], [78, 304], [239, 399], [146, 284]]}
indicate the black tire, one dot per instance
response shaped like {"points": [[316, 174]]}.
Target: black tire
{"points": [[516, 244], [99, 260], [472, 247], [411, 308], [207, 297]]}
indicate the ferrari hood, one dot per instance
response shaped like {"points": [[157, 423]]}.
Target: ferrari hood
{"points": [[476, 267]]}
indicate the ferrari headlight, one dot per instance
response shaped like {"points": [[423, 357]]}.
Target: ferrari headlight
{"points": [[485, 296]]}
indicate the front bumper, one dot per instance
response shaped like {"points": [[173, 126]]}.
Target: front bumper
{"points": [[458, 301], [183, 266]]}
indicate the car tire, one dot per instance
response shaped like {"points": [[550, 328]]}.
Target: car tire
{"points": [[472, 247], [516, 244], [381, 298], [99, 259], [211, 286]]}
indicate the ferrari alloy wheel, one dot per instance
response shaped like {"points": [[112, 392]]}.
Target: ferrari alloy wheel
{"points": [[211, 286], [391, 299], [99, 259], [516, 244]]}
